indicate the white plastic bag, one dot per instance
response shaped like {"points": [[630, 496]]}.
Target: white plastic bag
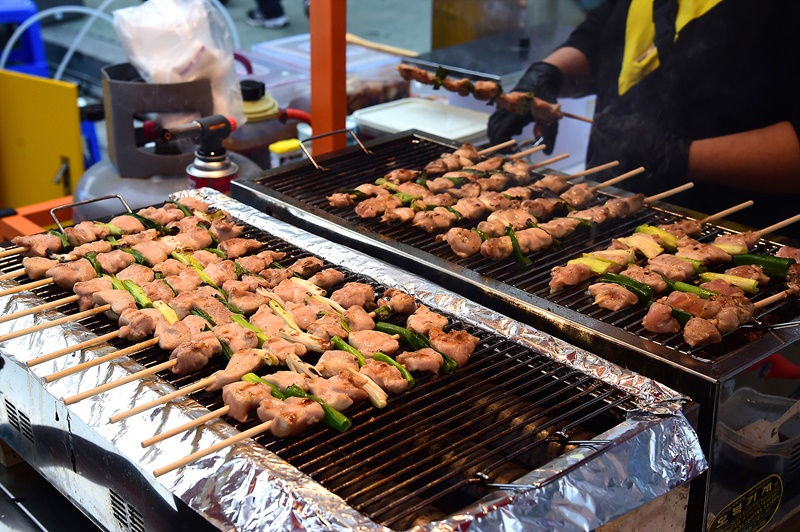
{"points": [[171, 41]]}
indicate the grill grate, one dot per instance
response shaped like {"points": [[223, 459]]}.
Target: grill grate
{"points": [[308, 186], [430, 452]]}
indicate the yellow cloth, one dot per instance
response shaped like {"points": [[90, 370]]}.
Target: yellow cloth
{"points": [[640, 56]]}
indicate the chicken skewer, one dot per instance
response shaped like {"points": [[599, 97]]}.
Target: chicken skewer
{"points": [[11, 251], [578, 272], [38, 308], [71, 349], [497, 147], [491, 91], [59, 321], [500, 244]]}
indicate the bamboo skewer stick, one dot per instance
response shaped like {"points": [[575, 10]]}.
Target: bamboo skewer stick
{"points": [[258, 429], [549, 161], [37, 308], [576, 117], [726, 212], [668, 193], [12, 275], [618, 179], [187, 426], [59, 321], [28, 286], [497, 147], [11, 251], [593, 170], [71, 349], [119, 382], [774, 298], [529, 151], [199, 385], [99, 360], [780, 225]]}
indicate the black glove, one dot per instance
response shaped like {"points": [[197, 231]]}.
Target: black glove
{"points": [[634, 141], [544, 81]]}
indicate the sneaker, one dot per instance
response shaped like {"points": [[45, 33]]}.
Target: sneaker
{"points": [[255, 18]]}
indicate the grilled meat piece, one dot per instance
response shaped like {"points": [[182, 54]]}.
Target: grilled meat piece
{"points": [[424, 319], [358, 319], [241, 363], [497, 248], [66, 274], [788, 252], [371, 342], [398, 301], [458, 345], [464, 242], [138, 324], [645, 276], [699, 331], [291, 416], [115, 261], [193, 354], [385, 375], [569, 275], [37, 267], [354, 293], [236, 247], [659, 319], [435, 220], [706, 253], [671, 267], [242, 397], [372, 207], [560, 227], [578, 195], [612, 296], [333, 362], [425, 359], [137, 273]]}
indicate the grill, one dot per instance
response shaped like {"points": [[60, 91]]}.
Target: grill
{"points": [[443, 446], [297, 194]]}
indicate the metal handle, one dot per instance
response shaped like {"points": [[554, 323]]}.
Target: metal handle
{"points": [[84, 202], [317, 166], [600, 446]]}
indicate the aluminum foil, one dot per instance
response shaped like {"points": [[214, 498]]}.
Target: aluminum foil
{"points": [[246, 487]]}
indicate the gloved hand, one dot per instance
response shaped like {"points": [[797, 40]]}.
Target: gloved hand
{"points": [[544, 81], [634, 141]]}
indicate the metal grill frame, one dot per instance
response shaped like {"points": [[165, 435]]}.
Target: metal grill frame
{"points": [[593, 391]]}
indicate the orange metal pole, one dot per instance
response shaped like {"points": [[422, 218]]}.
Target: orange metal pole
{"points": [[328, 25]]}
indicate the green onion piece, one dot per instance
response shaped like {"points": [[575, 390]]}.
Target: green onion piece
{"points": [[112, 229], [188, 260], [239, 270], [642, 291], [596, 265], [185, 210], [381, 357], [92, 258], [284, 315], [174, 292], [218, 252], [255, 379], [388, 185], [168, 312], [222, 299], [242, 321], [341, 345], [383, 312], [115, 282], [481, 234], [203, 314], [138, 294], [226, 349], [140, 259], [748, 285], [333, 418], [732, 249], [353, 192], [458, 181], [61, 236], [113, 241], [476, 172], [417, 341], [438, 79], [670, 241], [583, 223], [519, 256], [423, 179], [680, 286], [406, 199], [771, 266], [457, 214], [644, 244]]}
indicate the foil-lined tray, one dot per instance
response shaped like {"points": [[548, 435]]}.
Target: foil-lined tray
{"points": [[246, 487]]}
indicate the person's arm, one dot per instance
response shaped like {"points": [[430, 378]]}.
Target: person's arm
{"points": [[764, 160], [574, 65]]}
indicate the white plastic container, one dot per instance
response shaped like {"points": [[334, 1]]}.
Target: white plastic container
{"points": [[435, 118]]}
